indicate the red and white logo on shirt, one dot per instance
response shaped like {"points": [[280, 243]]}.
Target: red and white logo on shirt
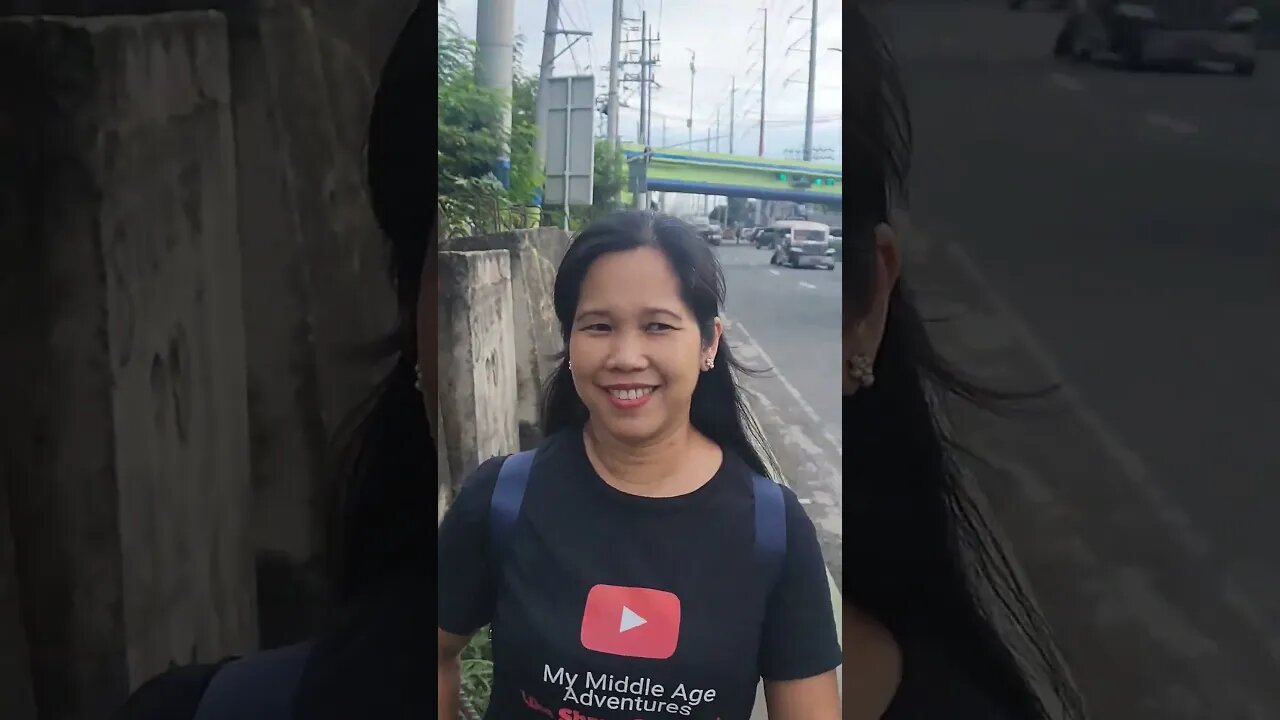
{"points": [[631, 621]]}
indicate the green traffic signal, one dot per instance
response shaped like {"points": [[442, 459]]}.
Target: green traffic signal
{"points": [[782, 177]]}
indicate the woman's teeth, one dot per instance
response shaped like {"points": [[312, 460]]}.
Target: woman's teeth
{"points": [[631, 394]]}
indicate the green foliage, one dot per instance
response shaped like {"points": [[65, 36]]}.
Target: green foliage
{"points": [[610, 178], [477, 671], [526, 176], [469, 116], [471, 199]]}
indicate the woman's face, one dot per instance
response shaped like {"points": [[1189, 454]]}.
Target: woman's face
{"points": [[635, 346]]}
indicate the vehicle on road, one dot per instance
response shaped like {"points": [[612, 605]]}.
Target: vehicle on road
{"points": [[804, 244], [770, 235], [1145, 33], [706, 229], [836, 240], [766, 238]]}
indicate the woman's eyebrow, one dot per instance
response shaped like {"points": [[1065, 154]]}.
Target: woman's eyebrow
{"points": [[589, 312]]}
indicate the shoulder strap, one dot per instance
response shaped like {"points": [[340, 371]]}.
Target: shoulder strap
{"points": [[508, 496], [257, 687], [771, 525]]}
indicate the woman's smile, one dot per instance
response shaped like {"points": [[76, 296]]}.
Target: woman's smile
{"points": [[629, 396]]}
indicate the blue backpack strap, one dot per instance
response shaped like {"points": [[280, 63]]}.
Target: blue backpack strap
{"points": [[508, 496], [257, 687], [771, 525]]}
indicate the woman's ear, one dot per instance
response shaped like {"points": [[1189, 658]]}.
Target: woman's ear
{"points": [[888, 261], [863, 337]]}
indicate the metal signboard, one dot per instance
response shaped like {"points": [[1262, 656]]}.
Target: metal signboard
{"points": [[571, 108]]}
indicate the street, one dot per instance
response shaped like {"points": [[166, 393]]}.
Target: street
{"points": [[794, 316], [1124, 228], [786, 322]]}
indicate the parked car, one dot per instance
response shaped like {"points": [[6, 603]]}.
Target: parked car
{"points": [[836, 240], [1150, 32], [804, 244]]}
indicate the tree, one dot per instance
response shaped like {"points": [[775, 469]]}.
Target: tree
{"points": [[470, 137], [610, 178]]}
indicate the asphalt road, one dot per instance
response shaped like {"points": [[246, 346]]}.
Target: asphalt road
{"points": [[793, 315], [1131, 221]]}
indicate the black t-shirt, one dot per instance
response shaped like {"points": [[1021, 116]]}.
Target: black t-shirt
{"points": [[610, 606]]}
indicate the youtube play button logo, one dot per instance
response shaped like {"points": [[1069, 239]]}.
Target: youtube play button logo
{"points": [[631, 621]]}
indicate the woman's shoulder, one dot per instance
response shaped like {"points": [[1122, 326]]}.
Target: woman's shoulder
{"points": [[172, 695]]}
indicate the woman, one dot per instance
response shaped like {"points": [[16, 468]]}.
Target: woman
{"points": [[369, 661], [638, 575], [919, 643]]}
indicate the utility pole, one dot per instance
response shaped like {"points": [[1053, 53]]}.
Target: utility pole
{"points": [[615, 48], [549, 32], [733, 90], [717, 129], [764, 63], [644, 125], [495, 42], [706, 199], [813, 64], [644, 77], [642, 194], [692, 57]]}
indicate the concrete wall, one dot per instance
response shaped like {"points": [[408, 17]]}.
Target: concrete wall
{"points": [[107, 133], [127, 444], [477, 358], [535, 256], [302, 76]]}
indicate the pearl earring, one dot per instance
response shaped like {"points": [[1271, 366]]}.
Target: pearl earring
{"points": [[861, 370]]}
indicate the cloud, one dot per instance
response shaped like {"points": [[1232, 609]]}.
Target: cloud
{"points": [[726, 36]]}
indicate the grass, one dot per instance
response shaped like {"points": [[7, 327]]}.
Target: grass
{"points": [[477, 671]]}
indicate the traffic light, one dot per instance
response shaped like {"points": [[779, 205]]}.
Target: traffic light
{"points": [[782, 177]]}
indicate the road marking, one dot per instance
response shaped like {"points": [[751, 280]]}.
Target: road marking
{"points": [[1066, 82], [791, 389], [807, 286], [1172, 124], [774, 272]]}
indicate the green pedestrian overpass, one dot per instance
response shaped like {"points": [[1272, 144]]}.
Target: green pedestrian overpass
{"points": [[706, 173]]}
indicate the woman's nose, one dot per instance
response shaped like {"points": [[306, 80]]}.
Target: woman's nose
{"points": [[626, 352]]}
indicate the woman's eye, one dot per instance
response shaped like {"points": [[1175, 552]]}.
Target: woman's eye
{"points": [[596, 327], [658, 327]]}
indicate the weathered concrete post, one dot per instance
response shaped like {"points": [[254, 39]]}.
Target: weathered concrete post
{"points": [[477, 358], [126, 436]]}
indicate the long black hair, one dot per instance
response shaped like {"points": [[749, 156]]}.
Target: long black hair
{"points": [[381, 501], [718, 410], [919, 555]]}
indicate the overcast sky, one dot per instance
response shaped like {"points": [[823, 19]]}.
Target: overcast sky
{"points": [[726, 36]]}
